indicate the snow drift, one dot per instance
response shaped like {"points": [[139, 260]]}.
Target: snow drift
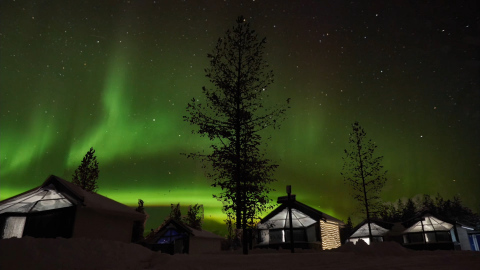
{"points": [[33, 253]]}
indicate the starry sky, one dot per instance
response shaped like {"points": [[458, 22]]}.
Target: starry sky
{"points": [[117, 76]]}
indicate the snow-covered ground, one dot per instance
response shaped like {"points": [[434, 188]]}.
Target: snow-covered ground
{"points": [[30, 253]]}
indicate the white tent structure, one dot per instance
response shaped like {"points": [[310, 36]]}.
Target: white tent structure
{"points": [[58, 208], [379, 230], [282, 220], [39, 200], [427, 231], [423, 232], [311, 228]]}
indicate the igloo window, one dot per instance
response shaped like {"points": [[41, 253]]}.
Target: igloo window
{"points": [[13, 227]]}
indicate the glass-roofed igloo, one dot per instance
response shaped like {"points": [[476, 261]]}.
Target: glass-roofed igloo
{"points": [[363, 233], [58, 208], [429, 229], [276, 229], [28, 213], [309, 227], [45, 198], [282, 220]]}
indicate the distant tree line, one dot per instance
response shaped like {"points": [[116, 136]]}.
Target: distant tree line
{"points": [[451, 209]]}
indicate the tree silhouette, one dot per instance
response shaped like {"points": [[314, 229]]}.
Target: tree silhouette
{"points": [[444, 208], [398, 213], [346, 231], [409, 210], [86, 174], [175, 212], [139, 226], [194, 216], [231, 116], [391, 212], [363, 172]]}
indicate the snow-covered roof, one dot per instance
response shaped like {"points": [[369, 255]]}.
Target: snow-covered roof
{"points": [[37, 253], [56, 192], [204, 234]]}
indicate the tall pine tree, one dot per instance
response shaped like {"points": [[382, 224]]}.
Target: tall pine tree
{"points": [[364, 172], [231, 116], [86, 174]]}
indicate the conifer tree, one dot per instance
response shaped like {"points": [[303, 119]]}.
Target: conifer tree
{"points": [[175, 212], [399, 211], [444, 208], [194, 216], [409, 210], [232, 115], [139, 226], [86, 174], [346, 231], [364, 172]]}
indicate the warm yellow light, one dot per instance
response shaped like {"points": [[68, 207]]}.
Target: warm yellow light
{"points": [[330, 235]]}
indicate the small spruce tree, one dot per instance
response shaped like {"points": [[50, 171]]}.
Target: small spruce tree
{"points": [[194, 216], [409, 211], [139, 226], [175, 212], [346, 231], [86, 174]]}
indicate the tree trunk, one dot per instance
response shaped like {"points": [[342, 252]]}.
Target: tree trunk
{"points": [[364, 189]]}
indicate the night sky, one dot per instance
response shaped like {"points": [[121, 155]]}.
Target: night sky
{"points": [[117, 76]]}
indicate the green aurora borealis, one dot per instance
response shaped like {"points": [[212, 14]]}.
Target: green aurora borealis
{"points": [[118, 75]]}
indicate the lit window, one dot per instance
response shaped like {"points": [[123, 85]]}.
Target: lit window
{"points": [[364, 239], [430, 237], [330, 235], [415, 238], [299, 235], [277, 236], [170, 236], [444, 237], [14, 227]]}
